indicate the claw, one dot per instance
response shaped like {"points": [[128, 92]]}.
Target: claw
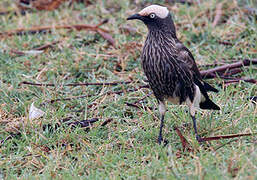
{"points": [[199, 139], [160, 139]]}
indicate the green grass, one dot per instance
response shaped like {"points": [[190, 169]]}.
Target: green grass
{"points": [[126, 148]]}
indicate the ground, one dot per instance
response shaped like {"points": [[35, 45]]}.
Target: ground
{"points": [[126, 147]]}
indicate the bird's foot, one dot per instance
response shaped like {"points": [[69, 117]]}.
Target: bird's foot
{"points": [[162, 141], [199, 139]]}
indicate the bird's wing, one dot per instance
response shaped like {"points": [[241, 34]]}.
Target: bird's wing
{"points": [[183, 54], [186, 56], [206, 103]]}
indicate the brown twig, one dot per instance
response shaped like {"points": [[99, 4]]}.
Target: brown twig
{"points": [[78, 84], [107, 36], [6, 139], [240, 79], [232, 72], [106, 122], [34, 30], [211, 73], [218, 14], [226, 136], [90, 95], [146, 96], [65, 99], [83, 123], [52, 128], [134, 105], [46, 46], [217, 148], [104, 33], [226, 43], [211, 65], [17, 52], [139, 106], [183, 140]]}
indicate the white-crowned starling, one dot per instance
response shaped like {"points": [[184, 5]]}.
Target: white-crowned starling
{"points": [[170, 67]]}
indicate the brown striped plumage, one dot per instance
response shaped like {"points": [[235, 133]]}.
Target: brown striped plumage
{"points": [[168, 76], [170, 67]]}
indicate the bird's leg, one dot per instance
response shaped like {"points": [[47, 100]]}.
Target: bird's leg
{"points": [[160, 138], [192, 111], [162, 109], [198, 138]]}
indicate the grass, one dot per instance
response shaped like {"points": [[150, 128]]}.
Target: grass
{"points": [[126, 148]]}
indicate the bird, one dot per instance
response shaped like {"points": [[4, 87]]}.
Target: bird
{"points": [[170, 67]]}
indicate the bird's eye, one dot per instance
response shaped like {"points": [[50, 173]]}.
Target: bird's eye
{"points": [[152, 15]]}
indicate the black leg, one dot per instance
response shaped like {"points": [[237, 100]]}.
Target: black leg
{"points": [[160, 139], [198, 138]]}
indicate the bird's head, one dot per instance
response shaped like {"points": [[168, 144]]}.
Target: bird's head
{"points": [[155, 17]]}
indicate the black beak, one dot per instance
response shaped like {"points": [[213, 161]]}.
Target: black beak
{"points": [[135, 16]]}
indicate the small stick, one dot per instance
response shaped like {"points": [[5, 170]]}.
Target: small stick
{"points": [[183, 140], [34, 30], [43, 47], [83, 123], [106, 122], [6, 139], [104, 33], [101, 23], [141, 99], [90, 95], [20, 53], [66, 99], [240, 79], [218, 14], [233, 140], [213, 71], [138, 105], [106, 36], [79, 84], [232, 72], [225, 43], [226, 136]]}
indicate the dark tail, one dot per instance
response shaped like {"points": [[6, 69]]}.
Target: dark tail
{"points": [[208, 104], [208, 87]]}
